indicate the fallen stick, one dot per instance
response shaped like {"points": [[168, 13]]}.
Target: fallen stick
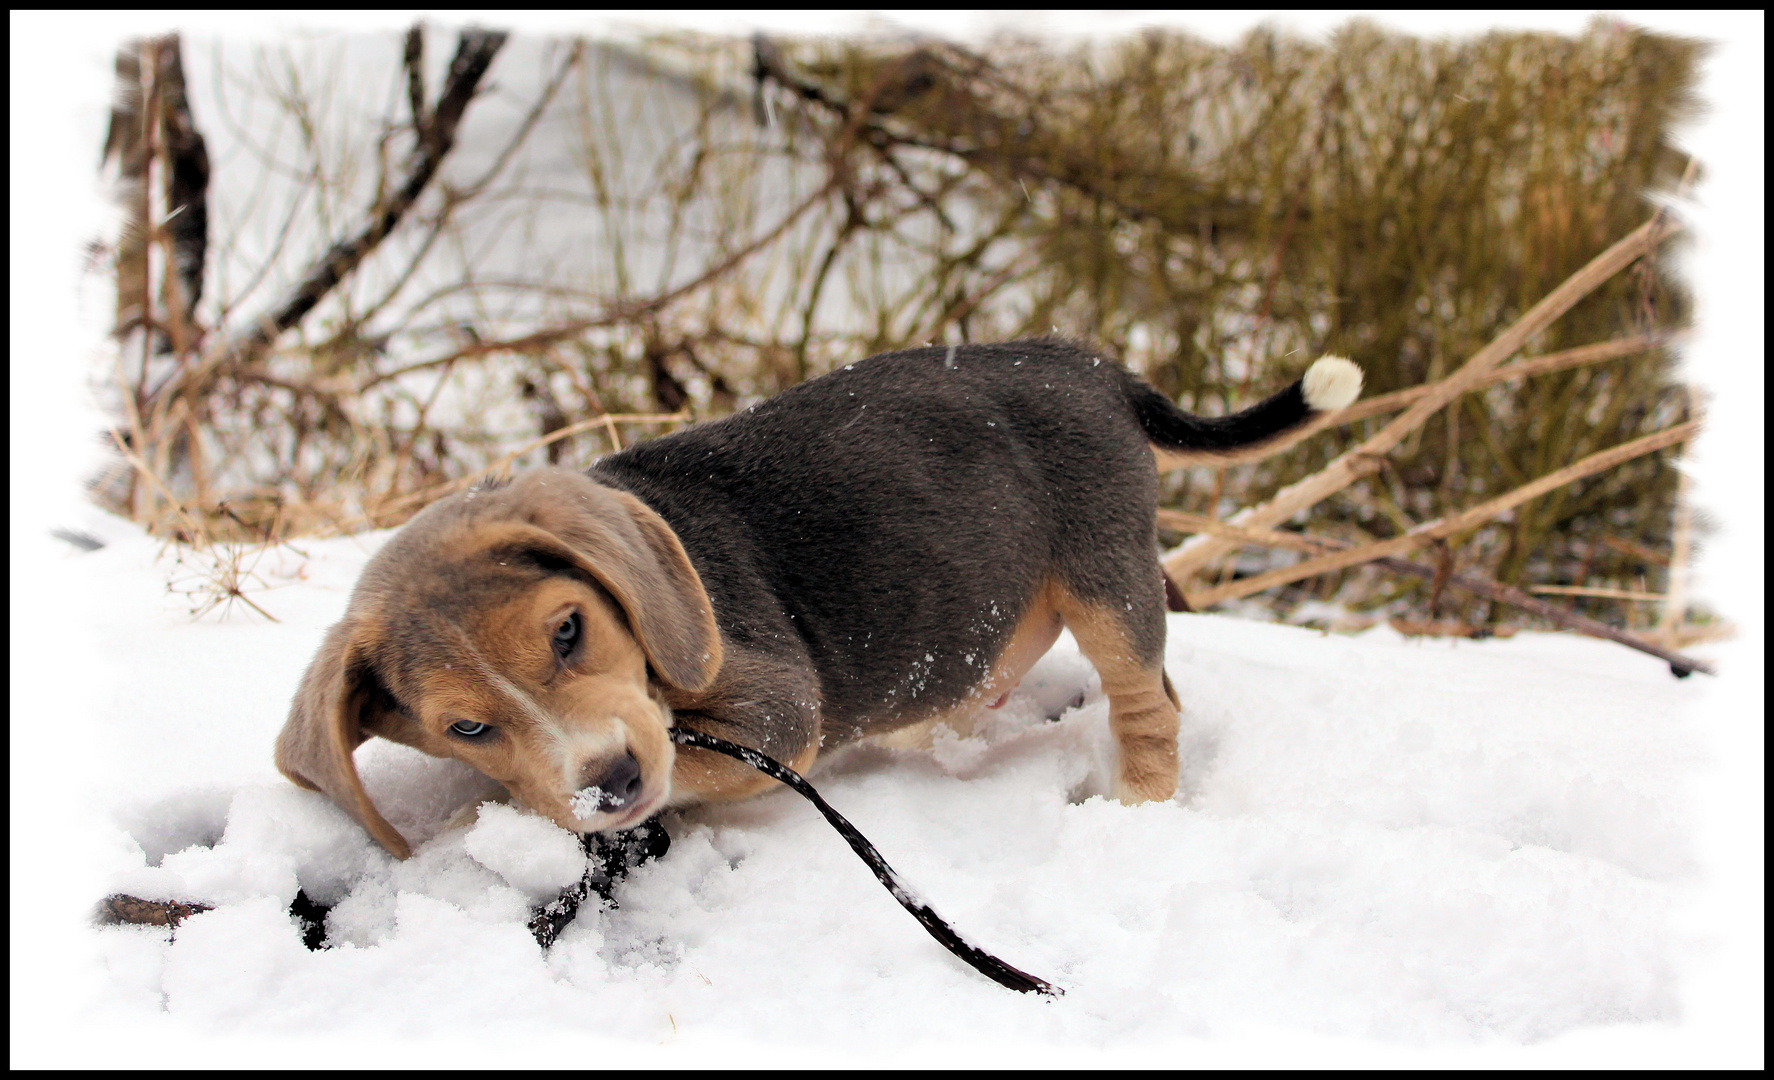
{"points": [[1545, 364], [1597, 590], [1447, 526], [1680, 666], [1186, 561], [123, 909]]}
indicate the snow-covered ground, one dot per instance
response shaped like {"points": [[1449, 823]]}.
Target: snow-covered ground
{"points": [[1540, 851], [1407, 841]]}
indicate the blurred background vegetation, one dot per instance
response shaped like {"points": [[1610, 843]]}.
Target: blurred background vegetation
{"points": [[357, 272]]}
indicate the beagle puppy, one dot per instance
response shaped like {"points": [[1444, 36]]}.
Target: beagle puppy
{"points": [[895, 542]]}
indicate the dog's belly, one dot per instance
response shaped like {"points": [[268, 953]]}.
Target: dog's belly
{"points": [[1033, 635]]}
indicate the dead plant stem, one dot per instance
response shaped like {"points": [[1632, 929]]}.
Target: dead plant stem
{"points": [[1346, 469], [1494, 591], [1447, 526]]}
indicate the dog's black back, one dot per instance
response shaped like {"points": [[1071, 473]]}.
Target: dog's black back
{"points": [[889, 522]]}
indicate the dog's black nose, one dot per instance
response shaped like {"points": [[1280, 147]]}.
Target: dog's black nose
{"points": [[619, 782]]}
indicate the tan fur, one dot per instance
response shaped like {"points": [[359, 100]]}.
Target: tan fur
{"points": [[705, 776], [1143, 707], [1142, 704], [559, 728], [316, 752]]}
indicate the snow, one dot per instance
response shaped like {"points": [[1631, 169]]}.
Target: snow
{"points": [[1409, 841], [590, 801], [1542, 851]]}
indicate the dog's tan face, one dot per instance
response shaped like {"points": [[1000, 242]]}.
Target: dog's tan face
{"points": [[544, 689], [529, 631]]}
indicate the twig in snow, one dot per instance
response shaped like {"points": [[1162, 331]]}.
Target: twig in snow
{"points": [[1447, 526], [1680, 665]]}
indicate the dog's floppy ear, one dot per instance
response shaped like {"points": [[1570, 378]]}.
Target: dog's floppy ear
{"points": [[326, 723], [633, 553]]}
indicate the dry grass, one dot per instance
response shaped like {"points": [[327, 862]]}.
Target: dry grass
{"points": [[765, 211]]}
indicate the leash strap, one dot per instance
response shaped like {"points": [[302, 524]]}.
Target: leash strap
{"points": [[983, 962]]}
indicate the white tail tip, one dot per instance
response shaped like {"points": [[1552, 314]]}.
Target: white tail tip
{"points": [[1331, 383]]}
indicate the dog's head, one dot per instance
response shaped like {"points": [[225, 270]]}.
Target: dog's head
{"points": [[527, 629]]}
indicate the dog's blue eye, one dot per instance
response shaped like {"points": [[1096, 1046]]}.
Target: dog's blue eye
{"points": [[470, 728], [566, 635]]}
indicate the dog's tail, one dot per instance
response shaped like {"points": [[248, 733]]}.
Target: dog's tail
{"points": [[1181, 438]]}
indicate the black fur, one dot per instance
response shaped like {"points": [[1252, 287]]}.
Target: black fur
{"points": [[870, 538], [1173, 429]]}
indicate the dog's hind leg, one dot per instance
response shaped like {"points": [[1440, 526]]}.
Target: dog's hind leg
{"points": [[1127, 650]]}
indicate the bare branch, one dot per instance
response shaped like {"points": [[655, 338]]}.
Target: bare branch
{"points": [[474, 55], [474, 189], [413, 60], [1495, 591], [1446, 526], [621, 313], [420, 498], [1563, 360], [1596, 590], [1191, 557]]}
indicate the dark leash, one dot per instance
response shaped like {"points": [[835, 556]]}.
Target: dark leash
{"points": [[983, 962], [610, 857]]}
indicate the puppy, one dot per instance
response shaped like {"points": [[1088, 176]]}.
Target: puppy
{"points": [[896, 542]]}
